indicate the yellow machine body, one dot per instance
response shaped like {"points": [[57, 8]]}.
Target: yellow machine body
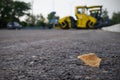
{"points": [[65, 22], [84, 19]]}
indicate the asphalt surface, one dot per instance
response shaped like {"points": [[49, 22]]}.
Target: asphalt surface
{"points": [[52, 54]]}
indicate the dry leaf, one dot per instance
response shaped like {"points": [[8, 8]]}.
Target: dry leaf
{"points": [[90, 59]]}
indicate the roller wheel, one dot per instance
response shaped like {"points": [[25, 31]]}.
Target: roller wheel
{"points": [[73, 22], [89, 24], [66, 27]]}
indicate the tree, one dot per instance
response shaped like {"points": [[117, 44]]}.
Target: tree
{"points": [[35, 20], [116, 18], [105, 14], [41, 21], [52, 19], [51, 16], [31, 20], [5, 9], [12, 10], [20, 9]]}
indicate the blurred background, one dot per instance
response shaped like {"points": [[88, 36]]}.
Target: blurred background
{"points": [[41, 12]]}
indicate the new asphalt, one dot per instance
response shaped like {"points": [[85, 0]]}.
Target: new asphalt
{"points": [[52, 54]]}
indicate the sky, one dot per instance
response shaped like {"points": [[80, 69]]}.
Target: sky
{"points": [[67, 7]]}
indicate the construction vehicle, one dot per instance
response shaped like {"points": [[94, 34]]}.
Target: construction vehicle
{"points": [[83, 19], [96, 12], [87, 18]]}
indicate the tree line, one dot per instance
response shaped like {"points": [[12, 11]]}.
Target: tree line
{"points": [[11, 10], [116, 18], [41, 21]]}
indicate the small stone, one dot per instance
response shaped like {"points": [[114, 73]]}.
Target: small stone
{"points": [[33, 56], [87, 77], [105, 71], [21, 76], [78, 77], [31, 62]]}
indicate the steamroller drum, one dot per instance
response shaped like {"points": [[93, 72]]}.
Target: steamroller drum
{"points": [[73, 22], [64, 25], [89, 24]]}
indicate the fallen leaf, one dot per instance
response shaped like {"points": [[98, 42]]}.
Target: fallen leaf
{"points": [[90, 59]]}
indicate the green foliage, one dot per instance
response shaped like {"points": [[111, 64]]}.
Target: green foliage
{"points": [[4, 9], [41, 21], [35, 20], [20, 8], [23, 23], [116, 18], [31, 20], [105, 14], [12, 10], [51, 16], [53, 19]]}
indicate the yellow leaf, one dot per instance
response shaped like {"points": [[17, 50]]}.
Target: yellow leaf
{"points": [[90, 59]]}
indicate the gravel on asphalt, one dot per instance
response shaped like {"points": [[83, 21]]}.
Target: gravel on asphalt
{"points": [[52, 54]]}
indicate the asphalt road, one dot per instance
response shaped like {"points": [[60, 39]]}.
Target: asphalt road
{"points": [[52, 54]]}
